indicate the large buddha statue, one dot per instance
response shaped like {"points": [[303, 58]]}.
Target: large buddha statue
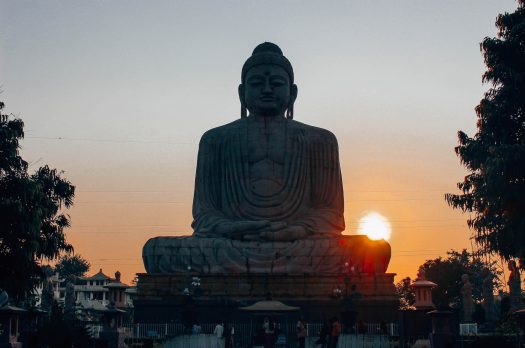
{"points": [[268, 190], [266, 176]]}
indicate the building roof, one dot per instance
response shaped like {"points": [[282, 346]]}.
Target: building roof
{"points": [[107, 309], [98, 276], [269, 306], [12, 309], [116, 285], [423, 283]]}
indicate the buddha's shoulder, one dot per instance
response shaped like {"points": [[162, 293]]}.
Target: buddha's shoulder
{"points": [[312, 132], [224, 130]]}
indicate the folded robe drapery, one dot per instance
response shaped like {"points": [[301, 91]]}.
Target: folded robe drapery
{"points": [[311, 195]]}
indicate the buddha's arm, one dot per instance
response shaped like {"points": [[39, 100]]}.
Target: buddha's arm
{"points": [[326, 212], [208, 219], [325, 215], [206, 215]]}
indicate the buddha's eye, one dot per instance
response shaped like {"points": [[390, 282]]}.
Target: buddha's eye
{"points": [[277, 81], [255, 81]]}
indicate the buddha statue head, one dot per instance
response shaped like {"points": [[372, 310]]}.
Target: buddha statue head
{"points": [[267, 87]]}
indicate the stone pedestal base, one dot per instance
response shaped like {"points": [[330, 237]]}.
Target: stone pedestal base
{"points": [[324, 255], [369, 297]]}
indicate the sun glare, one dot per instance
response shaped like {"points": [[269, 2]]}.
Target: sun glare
{"points": [[375, 226]]}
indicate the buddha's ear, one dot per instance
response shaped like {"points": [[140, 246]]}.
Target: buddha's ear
{"points": [[244, 113], [293, 93], [293, 96]]}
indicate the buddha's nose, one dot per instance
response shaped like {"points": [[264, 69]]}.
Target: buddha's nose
{"points": [[267, 87]]}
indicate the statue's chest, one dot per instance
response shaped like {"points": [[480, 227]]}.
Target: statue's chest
{"points": [[266, 157], [267, 143]]}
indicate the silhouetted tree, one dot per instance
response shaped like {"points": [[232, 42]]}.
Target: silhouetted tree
{"points": [[71, 267], [61, 331], [31, 219], [47, 296], [494, 191], [447, 272], [407, 295]]}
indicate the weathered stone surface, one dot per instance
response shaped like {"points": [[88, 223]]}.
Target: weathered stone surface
{"points": [[268, 192], [281, 286], [355, 254], [160, 296]]}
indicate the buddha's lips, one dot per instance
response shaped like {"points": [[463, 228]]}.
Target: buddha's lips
{"points": [[267, 99]]}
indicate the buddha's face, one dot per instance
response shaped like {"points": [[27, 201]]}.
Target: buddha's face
{"points": [[267, 90]]}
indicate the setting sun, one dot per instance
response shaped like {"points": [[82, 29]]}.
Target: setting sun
{"points": [[375, 226]]}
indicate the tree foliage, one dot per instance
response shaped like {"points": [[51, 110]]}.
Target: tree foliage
{"points": [[31, 219], [71, 267], [60, 331], [446, 273], [494, 190], [407, 295]]}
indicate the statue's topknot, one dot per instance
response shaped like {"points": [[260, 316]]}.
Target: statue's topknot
{"points": [[267, 47], [267, 53]]}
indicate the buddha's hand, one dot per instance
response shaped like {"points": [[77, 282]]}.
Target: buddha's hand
{"points": [[269, 228], [240, 229], [285, 234]]}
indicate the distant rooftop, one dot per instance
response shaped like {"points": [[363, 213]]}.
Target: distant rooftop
{"points": [[116, 283], [98, 276]]}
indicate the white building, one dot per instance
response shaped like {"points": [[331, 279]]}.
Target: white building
{"points": [[97, 291]]}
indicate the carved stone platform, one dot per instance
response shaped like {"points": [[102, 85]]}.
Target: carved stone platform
{"points": [[161, 296], [225, 256]]}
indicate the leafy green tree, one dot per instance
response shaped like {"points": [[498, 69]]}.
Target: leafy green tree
{"points": [[494, 190], [32, 221], [71, 267]]}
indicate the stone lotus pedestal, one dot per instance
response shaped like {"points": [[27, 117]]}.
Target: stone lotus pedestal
{"points": [[317, 275]]}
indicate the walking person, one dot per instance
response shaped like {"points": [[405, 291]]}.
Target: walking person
{"points": [[301, 333], [218, 332]]}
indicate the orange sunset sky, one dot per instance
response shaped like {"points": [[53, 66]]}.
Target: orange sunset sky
{"points": [[118, 93]]}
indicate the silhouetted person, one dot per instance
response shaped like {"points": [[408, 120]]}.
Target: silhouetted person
{"points": [[382, 328], [361, 327], [336, 331], [324, 335], [301, 333], [228, 336], [269, 334]]}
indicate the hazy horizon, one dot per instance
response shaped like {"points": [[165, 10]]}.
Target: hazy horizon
{"points": [[117, 95]]}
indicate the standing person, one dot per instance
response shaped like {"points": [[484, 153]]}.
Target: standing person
{"points": [[301, 333], [232, 335], [336, 331], [228, 336], [268, 334], [218, 332], [361, 327], [324, 335]]}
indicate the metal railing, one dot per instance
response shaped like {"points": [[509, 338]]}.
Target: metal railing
{"points": [[244, 333]]}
